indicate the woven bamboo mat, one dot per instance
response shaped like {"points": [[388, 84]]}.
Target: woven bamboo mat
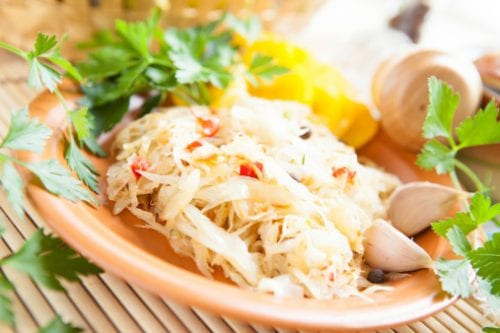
{"points": [[106, 303]]}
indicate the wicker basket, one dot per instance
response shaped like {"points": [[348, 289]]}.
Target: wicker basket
{"points": [[23, 19]]}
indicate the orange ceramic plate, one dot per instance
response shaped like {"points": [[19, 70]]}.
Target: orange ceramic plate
{"points": [[143, 257]]}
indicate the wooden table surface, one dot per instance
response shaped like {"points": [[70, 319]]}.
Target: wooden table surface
{"points": [[105, 303]]}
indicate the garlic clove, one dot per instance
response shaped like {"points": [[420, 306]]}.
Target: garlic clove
{"points": [[414, 206], [390, 250]]}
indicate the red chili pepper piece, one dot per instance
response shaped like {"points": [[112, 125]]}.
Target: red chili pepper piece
{"points": [[193, 145], [331, 277], [139, 165], [251, 169], [209, 125], [338, 172]]}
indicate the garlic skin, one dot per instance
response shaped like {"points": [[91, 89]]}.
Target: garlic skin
{"points": [[390, 250], [414, 206]]}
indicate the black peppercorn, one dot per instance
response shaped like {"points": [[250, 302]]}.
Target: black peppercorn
{"points": [[376, 276], [305, 132]]}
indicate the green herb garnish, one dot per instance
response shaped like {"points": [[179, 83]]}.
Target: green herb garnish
{"points": [[134, 58], [478, 270]]}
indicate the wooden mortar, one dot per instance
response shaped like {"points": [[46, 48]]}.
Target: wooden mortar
{"points": [[399, 90]]}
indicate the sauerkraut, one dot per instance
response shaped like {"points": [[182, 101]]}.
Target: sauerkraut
{"points": [[274, 200]]}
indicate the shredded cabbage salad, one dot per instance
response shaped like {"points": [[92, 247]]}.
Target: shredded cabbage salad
{"points": [[257, 189]]}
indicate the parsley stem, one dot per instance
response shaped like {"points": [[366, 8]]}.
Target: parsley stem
{"points": [[5, 157], [61, 99], [458, 186], [13, 49], [472, 176]]}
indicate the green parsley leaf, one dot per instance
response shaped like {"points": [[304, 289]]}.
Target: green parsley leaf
{"points": [[47, 259], [57, 59], [13, 185], [139, 35], [443, 103], [79, 119], [484, 293], [485, 260], [458, 241], [480, 211], [161, 79], [43, 44], [264, 67], [57, 325], [106, 116], [200, 54], [481, 129], [454, 276], [82, 166], [491, 329], [107, 61], [481, 208], [151, 103], [56, 179], [25, 133], [6, 313], [436, 155], [249, 28], [462, 220], [92, 145], [41, 74]]}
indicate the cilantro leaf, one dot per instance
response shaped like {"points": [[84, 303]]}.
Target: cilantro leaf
{"points": [[13, 185], [82, 166], [454, 276], [436, 155], [443, 103], [458, 241], [25, 133], [480, 211], [485, 260], [6, 313], [57, 325], [491, 329], [56, 179], [480, 129], [79, 119], [47, 259]]}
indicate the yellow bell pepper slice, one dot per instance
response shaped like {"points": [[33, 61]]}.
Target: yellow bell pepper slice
{"points": [[363, 129]]}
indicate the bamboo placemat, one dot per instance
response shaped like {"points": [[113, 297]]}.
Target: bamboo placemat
{"points": [[106, 303]]}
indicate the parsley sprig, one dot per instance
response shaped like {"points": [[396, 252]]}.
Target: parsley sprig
{"points": [[141, 58], [47, 260], [134, 58], [477, 271], [44, 257]]}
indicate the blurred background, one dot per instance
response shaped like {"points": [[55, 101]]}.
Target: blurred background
{"points": [[352, 34]]}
